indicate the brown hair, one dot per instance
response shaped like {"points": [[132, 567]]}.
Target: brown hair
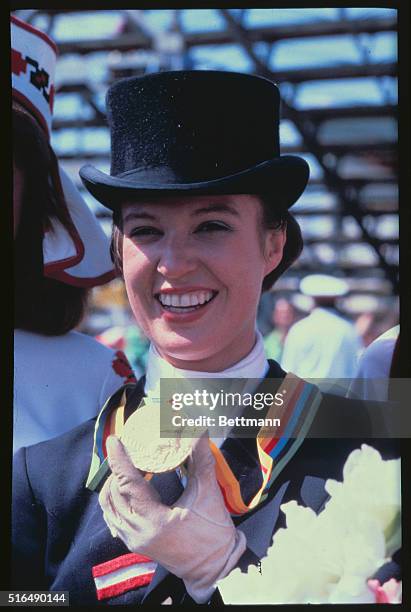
{"points": [[274, 219], [42, 305], [270, 219]]}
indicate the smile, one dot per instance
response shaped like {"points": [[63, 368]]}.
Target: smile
{"points": [[185, 302]]}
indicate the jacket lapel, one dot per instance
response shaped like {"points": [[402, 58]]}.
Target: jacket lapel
{"points": [[259, 526]]}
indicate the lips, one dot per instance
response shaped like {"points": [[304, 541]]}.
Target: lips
{"points": [[185, 301]]}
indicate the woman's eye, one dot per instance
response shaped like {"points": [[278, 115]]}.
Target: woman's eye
{"points": [[145, 231], [213, 226]]}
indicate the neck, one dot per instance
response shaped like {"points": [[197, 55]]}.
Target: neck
{"points": [[217, 362], [252, 366]]}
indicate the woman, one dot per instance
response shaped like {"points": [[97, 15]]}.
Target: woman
{"points": [[200, 196], [61, 377]]}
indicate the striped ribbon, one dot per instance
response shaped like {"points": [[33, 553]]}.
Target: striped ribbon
{"points": [[275, 445], [109, 421]]}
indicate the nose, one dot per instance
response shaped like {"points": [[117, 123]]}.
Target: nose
{"points": [[177, 259]]}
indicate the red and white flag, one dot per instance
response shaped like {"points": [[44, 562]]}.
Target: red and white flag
{"points": [[122, 574]]}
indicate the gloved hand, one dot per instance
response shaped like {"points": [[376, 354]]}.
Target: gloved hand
{"points": [[195, 539]]}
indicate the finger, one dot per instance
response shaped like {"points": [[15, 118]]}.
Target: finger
{"points": [[118, 527], [121, 465], [143, 500], [130, 490], [117, 510], [121, 520], [104, 497], [114, 504], [112, 529], [118, 458], [108, 508], [201, 459], [133, 536]]}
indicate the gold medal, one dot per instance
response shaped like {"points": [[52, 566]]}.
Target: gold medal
{"points": [[150, 452]]}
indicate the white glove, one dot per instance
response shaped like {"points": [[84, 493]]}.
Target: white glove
{"points": [[195, 539]]}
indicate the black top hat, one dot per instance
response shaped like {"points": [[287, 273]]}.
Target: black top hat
{"points": [[203, 132]]}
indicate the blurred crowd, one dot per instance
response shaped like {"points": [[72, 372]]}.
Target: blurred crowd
{"points": [[312, 336]]}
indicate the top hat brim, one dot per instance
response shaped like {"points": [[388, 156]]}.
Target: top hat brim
{"points": [[284, 178]]}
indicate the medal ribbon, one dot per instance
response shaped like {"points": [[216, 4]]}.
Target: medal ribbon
{"points": [[109, 421], [275, 445]]}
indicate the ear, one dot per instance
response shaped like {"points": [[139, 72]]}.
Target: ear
{"points": [[274, 246]]}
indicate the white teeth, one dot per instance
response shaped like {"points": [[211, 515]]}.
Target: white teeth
{"points": [[185, 300]]}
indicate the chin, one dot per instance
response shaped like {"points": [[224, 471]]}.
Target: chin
{"points": [[185, 352], [185, 349]]}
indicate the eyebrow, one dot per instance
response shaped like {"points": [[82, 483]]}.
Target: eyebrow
{"points": [[213, 208], [139, 215]]}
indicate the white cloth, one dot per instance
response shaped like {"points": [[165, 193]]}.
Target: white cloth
{"points": [[59, 382], [323, 345], [254, 365], [373, 372]]}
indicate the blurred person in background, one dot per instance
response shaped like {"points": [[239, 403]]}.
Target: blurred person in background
{"points": [[377, 364], [284, 315], [137, 348], [61, 377], [371, 323], [324, 344], [131, 341]]}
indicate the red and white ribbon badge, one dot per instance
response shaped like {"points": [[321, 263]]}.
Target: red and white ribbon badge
{"points": [[122, 574]]}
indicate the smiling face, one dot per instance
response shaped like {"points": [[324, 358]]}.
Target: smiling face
{"points": [[193, 268]]}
